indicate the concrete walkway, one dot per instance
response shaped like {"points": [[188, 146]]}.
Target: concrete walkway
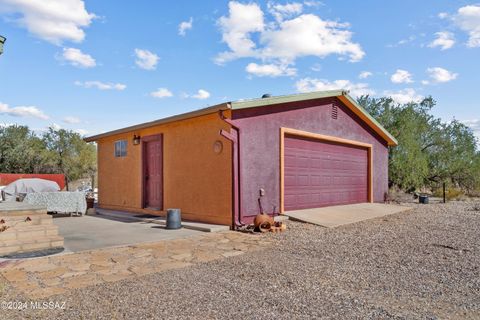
{"points": [[335, 216], [95, 232]]}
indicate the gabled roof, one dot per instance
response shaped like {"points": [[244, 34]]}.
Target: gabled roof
{"points": [[342, 95], [263, 102]]}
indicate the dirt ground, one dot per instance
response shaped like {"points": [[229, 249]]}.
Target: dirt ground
{"points": [[424, 264]]}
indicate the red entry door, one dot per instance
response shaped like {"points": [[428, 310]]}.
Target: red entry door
{"points": [[320, 174], [153, 172]]}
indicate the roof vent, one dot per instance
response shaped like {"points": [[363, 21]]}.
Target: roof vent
{"points": [[334, 111], [266, 95]]}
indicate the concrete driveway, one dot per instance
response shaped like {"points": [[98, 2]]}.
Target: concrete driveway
{"points": [[335, 216], [94, 232]]}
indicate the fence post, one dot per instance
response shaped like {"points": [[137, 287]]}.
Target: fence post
{"points": [[444, 192]]}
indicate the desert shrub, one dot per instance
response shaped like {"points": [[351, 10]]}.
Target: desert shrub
{"points": [[451, 193], [454, 194]]}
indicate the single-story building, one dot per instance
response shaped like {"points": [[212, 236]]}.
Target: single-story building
{"points": [[226, 163]]}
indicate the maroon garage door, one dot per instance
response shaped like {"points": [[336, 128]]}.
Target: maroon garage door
{"points": [[320, 173]]}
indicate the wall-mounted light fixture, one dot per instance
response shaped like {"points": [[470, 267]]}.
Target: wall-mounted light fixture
{"points": [[2, 41], [136, 139]]}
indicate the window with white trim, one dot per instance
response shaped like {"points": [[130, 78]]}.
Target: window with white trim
{"points": [[120, 148]]}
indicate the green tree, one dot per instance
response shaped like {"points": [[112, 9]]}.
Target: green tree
{"points": [[70, 154], [454, 160], [21, 151], [430, 151]]}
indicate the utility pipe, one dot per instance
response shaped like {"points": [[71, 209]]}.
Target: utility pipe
{"points": [[235, 139]]}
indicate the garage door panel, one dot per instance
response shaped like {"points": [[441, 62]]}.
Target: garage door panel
{"points": [[290, 180], [320, 173]]}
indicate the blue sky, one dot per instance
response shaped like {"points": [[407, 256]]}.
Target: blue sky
{"points": [[94, 66]]}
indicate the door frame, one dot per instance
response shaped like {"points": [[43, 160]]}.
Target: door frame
{"points": [[305, 134], [143, 151]]}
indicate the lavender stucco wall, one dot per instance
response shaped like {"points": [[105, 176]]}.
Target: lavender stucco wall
{"points": [[260, 146]]}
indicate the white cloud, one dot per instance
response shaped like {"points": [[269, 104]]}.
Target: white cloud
{"points": [[53, 20], [184, 26], [55, 126], [101, 85], [309, 35], [23, 111], [311, 84], [146, 59], [443, 15], [313, 3], [402, 42], [282, 11], [441, 75], [201, 94], [282, 41], [71, 120], [161, 93], [444, 39], [467, 18], [242, 20], [270, 70], [365, 74], [77, 58], [404, 96], [81, 132], [401, 76], [474, 124]]}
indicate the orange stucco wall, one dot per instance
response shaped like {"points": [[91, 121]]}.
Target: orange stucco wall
{"points": [[196, 179]]}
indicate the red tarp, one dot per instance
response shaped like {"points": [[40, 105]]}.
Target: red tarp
{"points": [[6, 178]]}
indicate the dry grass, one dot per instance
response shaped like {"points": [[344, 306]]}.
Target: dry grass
{"points": [[451, 194]]}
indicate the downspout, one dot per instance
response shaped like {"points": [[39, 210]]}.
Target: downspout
{"points": [[234, 137]]}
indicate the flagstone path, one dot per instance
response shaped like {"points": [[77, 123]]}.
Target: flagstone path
{"points": [[47, 276]]}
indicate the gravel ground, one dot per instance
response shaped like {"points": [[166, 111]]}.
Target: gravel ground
{"points": [[418, 265]]}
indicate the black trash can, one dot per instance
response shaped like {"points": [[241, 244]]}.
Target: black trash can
{"points": [[174, 219], [423, 199]]}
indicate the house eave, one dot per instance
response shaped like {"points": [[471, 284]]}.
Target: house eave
{"points": [[179, 117]]}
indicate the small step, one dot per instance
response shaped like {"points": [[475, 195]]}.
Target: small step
{"points": [[8, 235], [31, 245], [38, 219], [29, 232], [28, 212], [35, 227], [30, 229], [33, 232]]}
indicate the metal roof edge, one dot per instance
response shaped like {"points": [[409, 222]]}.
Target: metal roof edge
{"points": [[178, 117], [390, 139], [260, 102]]}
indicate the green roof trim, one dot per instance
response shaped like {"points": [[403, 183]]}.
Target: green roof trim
{"points": [[242, 104], [361, 109]]}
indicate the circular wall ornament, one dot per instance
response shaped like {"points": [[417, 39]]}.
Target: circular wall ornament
{"points": [[217, 147]]}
